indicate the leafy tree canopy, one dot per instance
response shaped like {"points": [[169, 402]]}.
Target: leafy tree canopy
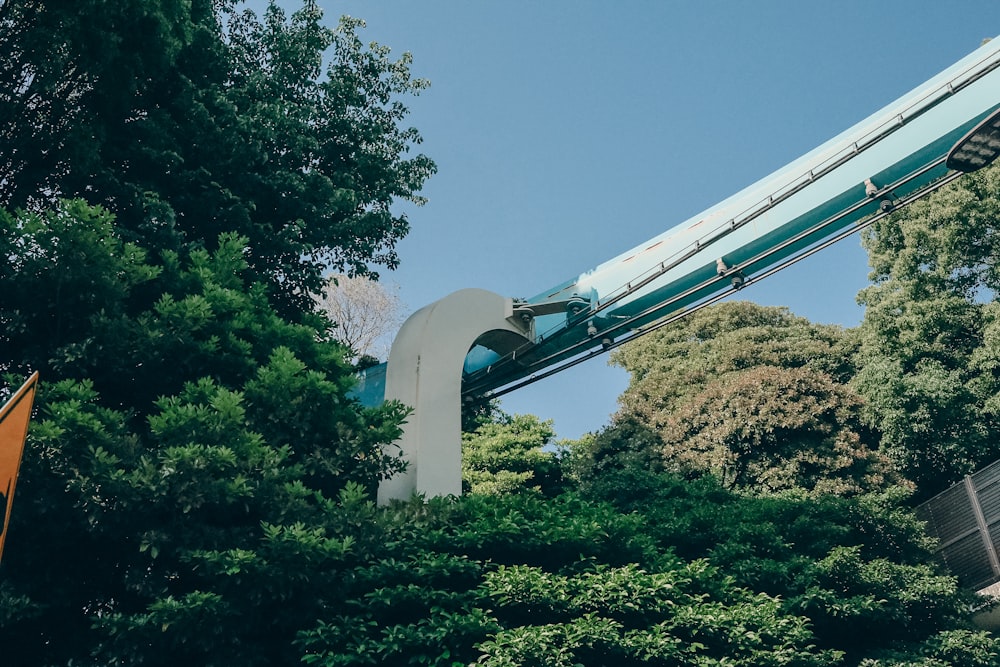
{"points": [[753, 395], [508, 455], [203, 421], [190, 119], [675, 362], [174, 177], [769, 429], [196, 488], [928, 359], [648, 569], [228, 522]]}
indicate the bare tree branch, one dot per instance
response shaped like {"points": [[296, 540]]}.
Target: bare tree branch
{"points": [[365, 314]]}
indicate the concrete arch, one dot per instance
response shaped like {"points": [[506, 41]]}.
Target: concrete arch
{"points": [[425, 373]]}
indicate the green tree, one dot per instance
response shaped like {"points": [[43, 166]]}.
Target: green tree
{"points": [[203, 422], [508, 455], [753, 395], [197, 470], [70, 75], [626, 444], [769, 429], [855, 567], [674, 363], [928, 358], [197, 484], [188, 120], [648, 569]]}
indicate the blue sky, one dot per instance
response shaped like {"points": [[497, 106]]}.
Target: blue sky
{"points": [[568, 131]]}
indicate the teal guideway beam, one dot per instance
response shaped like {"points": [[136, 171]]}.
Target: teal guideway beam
{"points": [[895, 156]]}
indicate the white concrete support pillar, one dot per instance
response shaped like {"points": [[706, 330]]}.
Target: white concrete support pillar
{"points": [[425, 373]]}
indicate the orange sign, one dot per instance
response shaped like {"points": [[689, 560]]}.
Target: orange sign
{"points": [[14, 418]]}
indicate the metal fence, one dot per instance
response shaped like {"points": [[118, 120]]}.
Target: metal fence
{"points": [[966, 520]]}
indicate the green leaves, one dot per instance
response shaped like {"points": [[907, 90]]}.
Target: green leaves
{"points": [[949, 647], [927, 340], [196, 474], [197, 486], [680, 615], [770, 429], [188, 627], [63, 271], [507, 456], [192, 120], [197, 478], [626, 593], [334, 439], [754, 396]]}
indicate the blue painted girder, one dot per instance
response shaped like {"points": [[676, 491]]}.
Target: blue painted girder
{"points": [[895, 154]]}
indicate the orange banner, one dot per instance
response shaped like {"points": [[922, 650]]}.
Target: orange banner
{"points": [[14, 418]]}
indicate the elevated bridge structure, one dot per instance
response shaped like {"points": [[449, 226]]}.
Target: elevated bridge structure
{"points": [[475, 345]]}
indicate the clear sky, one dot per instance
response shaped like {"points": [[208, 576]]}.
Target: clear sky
{"points": [[568, 131]]}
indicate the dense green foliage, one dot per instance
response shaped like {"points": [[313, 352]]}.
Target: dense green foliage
{"points": [[197, 483], [915, 387], [191, 403], [769, 429], [647, 569], [191, 119], [203, 421], [755, 396], [681, 360], [930, 351], [508, 455]]}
